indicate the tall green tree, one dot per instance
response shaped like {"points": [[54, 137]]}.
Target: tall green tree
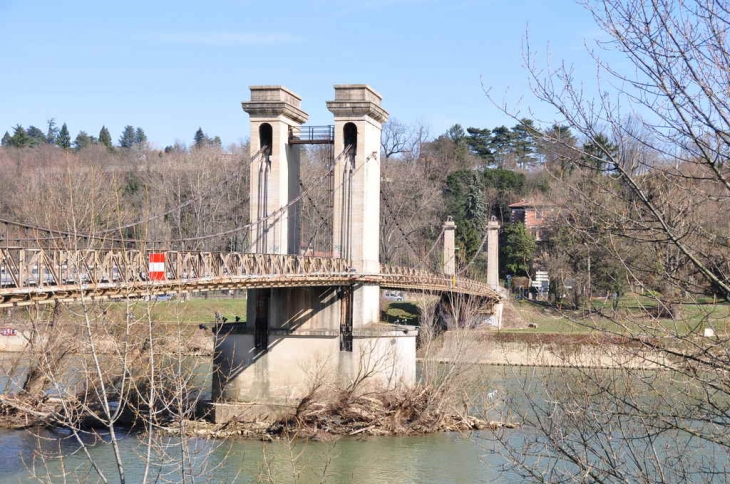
{"points": [[140, 139], [52, 131], [517, 249], [465, 203], [501, 145], [105, 137], [128, 137], [64, 138], [558, 148], [523, 143], [600, 152], [82, 140], [20, 137], [200, 139], [35, 136], [456, 134], [479, 141], [6, 139]]}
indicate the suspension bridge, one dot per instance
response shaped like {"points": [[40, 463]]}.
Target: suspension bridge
{"points": [[300, 307]]}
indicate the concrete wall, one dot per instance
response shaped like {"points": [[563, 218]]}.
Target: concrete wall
{"points": [[295, 363]]}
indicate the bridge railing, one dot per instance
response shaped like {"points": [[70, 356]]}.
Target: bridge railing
{"points": [[20, 268], [405, 277]]}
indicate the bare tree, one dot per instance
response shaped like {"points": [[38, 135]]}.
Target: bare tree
{"points": [[649, 192]]}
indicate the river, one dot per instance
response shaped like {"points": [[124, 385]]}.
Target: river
{"points": [[435, 458]]}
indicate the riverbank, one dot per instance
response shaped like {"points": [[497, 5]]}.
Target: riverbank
{"points": [[488, 347]]}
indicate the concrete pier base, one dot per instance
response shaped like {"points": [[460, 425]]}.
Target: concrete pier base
{"points": [[253, 384]]}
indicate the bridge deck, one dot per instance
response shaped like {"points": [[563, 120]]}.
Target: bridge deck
{"points": [[30, 276]]}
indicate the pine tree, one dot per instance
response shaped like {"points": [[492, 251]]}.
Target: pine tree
{"points": [[599, 152], [140, 139], [517, 249], [105, 137], [19, 138], [52, 132], [200, 139], [6, 140], [35, 136], [479, 143], [128, 137], [64, 138], [82, 140], [501, 145], [216, 142], [523, 142]]}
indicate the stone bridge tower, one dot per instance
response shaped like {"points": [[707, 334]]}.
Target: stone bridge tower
{"points": [[294, 334], [359, 120], [274, 172]]}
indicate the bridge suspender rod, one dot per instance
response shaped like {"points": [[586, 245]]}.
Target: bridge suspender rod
{"points": [[346, 318]]}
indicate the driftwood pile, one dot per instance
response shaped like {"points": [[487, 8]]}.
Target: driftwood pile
{"points": [[412, 412]]}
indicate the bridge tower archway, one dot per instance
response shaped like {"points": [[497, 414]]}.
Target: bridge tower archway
{"points": [[274, 173]]}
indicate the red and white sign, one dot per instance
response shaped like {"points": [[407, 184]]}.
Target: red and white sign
{"points": [[157, 266]]}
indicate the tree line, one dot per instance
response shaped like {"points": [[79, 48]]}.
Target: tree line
{"points": [[131, 138]]}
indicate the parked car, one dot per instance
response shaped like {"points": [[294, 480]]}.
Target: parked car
{"points": [[34, 278], [394, 295], [115, 276], [5, 278], [72, 275]]}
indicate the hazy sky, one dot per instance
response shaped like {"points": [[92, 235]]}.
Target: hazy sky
{"points": [[171, 66]]}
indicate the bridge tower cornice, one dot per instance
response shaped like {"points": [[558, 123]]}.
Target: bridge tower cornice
{"points": [[275, 103], [357, 101]]}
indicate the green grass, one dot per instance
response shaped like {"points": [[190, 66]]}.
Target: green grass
{"points": [[403, 312], [196, 311], [636, 313], [193, 311]]}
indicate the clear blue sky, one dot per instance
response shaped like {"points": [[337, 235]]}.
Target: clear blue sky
{"points": [[171, 66]]}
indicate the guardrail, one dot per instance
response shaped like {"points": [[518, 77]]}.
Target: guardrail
{"points": [[29, 276]]}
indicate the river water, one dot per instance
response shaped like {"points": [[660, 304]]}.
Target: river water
{"points": [[436, 458]]}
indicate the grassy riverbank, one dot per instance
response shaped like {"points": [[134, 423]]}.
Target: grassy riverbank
{"points": [[197, 310], [634, 314]]}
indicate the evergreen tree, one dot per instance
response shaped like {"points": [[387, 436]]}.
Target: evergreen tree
{"points": [[64, 138], [35, 136], [200, 139], [456, 134], [501, 145], [19, 138], [216, 141], [479, 141], [558, 148], [523, 142], [128, 137], [517, 249], [6, 140], [105, 137], [140, 139], [465, 202], [52, 131], [82, 140], [600, 152]]}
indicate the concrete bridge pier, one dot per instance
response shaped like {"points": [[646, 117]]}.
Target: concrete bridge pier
{"points": [[299, 338]]}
